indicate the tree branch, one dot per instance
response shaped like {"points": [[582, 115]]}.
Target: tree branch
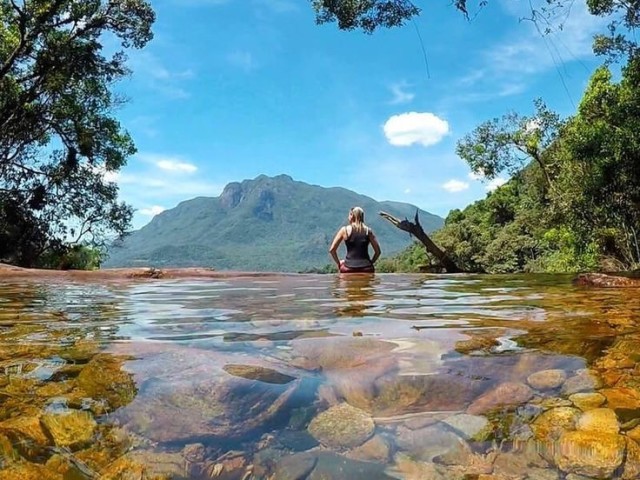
{"points": [[417, 231]]}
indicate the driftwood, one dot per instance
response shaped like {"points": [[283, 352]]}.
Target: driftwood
{"points": [[415, 229]]}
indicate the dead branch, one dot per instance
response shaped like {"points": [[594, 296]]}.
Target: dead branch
{"points": [[415, 229]]}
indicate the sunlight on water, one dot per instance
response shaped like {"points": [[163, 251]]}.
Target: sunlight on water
{"points": [[320, 377]]}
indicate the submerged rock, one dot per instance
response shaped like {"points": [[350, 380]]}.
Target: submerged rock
{"points": [[552, 423], [430, 442], [28, 471], [342, 426], [335, 467], [227, 407], [72, 429], [407, 468], [185, 395], [376, 449], [583, 381], [103, 379], [587, 401], [27, 435], [295, 467], [146, 465], [505, 395], [601, 420], [256, 372], [471, 427], [590, 453], [547, 379]]}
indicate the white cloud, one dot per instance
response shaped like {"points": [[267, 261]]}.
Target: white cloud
{"points": [[400, 95], [168, 163], [413, 127], [176, 166], [495, 183], [455, 186], [475, 175], [152, 211]]}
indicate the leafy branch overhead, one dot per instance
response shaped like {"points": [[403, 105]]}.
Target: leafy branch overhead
{"points": [[547, 15], [58, 136]]}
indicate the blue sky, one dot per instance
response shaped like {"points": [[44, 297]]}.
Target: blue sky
{"points": [[231, 89]]}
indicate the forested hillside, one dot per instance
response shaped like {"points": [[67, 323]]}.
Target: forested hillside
{"points": [[573, 202], [267, 223]]}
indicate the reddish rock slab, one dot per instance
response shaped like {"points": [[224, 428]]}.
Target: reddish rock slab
{"points": [[122, 274], [605, 281]]}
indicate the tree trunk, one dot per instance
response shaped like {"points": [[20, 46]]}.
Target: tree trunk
{"points": [[416, 230]]}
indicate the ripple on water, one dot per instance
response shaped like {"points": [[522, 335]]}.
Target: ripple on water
{"points": [[224, 378]]}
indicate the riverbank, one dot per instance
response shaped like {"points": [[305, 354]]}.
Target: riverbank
{"points": [[116, 274]]}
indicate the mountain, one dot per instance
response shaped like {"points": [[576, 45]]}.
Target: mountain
{"points": [[264, 224]]}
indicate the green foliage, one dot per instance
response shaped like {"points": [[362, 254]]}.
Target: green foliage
{"points": [[575, 206], [548, 15], [58, 137], [76, 257], [507, 144], [364, 14]]}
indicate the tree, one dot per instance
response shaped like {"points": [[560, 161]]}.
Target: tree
{"points": [[508, 143], [602, 181], [368, 15], [58, 136]]}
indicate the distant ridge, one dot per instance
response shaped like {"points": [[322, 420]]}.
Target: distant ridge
{"points": [[264, 224]]}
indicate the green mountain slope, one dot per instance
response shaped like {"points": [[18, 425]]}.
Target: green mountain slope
{"points": [[269, 223]]}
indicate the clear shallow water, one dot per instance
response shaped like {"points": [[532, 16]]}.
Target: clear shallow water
{"points": [[320, 376]]}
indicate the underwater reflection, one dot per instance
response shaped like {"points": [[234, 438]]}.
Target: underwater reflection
{"points": [[355, 292]]}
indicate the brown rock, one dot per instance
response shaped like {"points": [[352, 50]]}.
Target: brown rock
{"points": [[28, 471], [590, 453], [295, 467], [409, 469], [376, 449], [26, 434], [587, 401], [552, 423], [547, 379], [259, 373], [602, 280], [634, 434], [583, 381], [435, 441], [601, 420], [342, 426], [626, 398], [632, 462], [72, 429], [103, 379], [504, 395]]}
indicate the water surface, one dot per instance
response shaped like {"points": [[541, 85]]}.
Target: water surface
{"points": [[320, 377]]}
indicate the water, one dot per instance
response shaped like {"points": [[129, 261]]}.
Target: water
{"points": [[320, 377]]}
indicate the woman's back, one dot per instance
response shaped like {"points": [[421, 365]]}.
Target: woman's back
{"points": [[357, 244]]}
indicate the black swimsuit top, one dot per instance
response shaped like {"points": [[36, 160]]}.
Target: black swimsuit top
{"points": [[357, 249]]}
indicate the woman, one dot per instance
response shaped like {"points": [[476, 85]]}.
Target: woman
{"points": [[357, 237]]}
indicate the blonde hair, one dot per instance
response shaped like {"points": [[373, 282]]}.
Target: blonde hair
{"points": [[357, 219]]}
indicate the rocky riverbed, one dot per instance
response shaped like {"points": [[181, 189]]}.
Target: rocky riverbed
{"points": [[292, 394]]}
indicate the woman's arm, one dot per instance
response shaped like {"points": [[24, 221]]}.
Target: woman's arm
{"points": [[333, 249], [375, 245]]}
